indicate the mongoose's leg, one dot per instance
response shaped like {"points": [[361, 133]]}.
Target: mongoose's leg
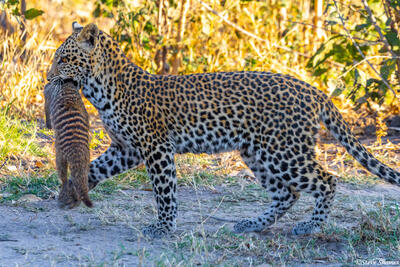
{"points": [[67, 197], [62, 168], [79, 178]]}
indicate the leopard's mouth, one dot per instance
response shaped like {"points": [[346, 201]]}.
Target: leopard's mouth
{"points": [[62, 79]]}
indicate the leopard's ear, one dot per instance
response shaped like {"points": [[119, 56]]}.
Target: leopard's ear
{"points": [[76, 27], [87, 38]]}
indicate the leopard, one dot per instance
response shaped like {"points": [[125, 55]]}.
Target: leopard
{"points": [[66, 113], [271, 119]]}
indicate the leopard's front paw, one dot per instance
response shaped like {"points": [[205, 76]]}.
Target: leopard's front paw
{"points": [[305, 228], [245, 226], [92, 183], [156, 231]]}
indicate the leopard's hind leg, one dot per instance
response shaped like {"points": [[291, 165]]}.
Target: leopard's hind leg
{"points": [[283, 196], [322, 185]]}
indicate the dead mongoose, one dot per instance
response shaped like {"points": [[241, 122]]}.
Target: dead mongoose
{"points": [[66, 114]]}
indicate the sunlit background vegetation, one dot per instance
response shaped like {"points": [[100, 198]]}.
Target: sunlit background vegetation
{"points": [[348, 49]]}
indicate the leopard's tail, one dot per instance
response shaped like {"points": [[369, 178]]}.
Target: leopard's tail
{"points": [[335, 123]]}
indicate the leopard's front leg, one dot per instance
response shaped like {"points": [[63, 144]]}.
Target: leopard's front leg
{"points": [[115, 160], [160, 166]]}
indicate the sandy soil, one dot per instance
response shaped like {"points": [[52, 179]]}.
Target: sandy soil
{"points": [[38, 233]]}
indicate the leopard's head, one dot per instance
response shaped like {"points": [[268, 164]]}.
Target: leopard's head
{"points": [[75, 57]]}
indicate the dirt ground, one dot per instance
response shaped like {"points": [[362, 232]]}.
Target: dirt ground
{"points": [[38, 233]]}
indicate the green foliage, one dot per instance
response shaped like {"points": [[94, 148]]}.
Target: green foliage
{"points": [[97, 139], [17, 137], [42, 187], [133, 25], [362, 83], [33, 13], [104, 8], [14, 6]]}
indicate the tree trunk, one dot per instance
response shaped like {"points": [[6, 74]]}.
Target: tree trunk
{"points": [[185, 4], [162, 26], [5, 23], [23, 22]]}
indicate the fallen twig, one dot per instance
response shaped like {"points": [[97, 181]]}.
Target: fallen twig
{"points": [[8, 240], [222, 219]]}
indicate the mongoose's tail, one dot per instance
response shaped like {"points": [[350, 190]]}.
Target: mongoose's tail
{"points": [[335, 123]]}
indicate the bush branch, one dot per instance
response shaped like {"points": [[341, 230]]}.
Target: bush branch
{"points": [[383, 38], [377, 28], [360, 51]]}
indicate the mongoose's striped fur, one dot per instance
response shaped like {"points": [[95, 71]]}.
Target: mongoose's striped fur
{"points": [[66, 113]]}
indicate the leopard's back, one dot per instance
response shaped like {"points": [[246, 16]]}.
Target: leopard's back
{"points": [[216, 112]]}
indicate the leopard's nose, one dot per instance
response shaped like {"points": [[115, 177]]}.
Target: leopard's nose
{"points": [[49, 76]]}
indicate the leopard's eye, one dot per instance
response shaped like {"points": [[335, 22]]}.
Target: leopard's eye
{"points": [[62, 60]]}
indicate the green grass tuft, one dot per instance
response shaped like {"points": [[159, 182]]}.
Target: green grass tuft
{"points": [[17, 138], [42, 187], [381, 226], [361, 180]]}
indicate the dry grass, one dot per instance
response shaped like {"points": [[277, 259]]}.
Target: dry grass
{"points": [[24, 64], [23, 71], [209, 44]]}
